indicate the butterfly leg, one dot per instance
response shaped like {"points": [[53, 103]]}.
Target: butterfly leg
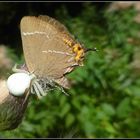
{"points": [[61, 89]]}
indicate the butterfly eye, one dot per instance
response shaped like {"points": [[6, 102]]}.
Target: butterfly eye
{"points": [[79, 48]]}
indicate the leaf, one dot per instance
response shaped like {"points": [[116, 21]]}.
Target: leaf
{"points": [[65, 110], [108, 109], [124, 108], [69, 119]]}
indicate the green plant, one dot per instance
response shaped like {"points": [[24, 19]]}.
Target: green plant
{"points": [[104, 100]]}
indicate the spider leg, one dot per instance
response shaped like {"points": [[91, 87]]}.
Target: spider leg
{"points": [[26, 97], [32, 76], [37, 91], [16, 70], [40, 88], [32, 91]]}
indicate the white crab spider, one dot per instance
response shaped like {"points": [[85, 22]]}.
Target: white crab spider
{"points": [[18, 83], [21, 81]]}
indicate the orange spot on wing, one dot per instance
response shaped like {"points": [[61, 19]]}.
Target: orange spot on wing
{"points": [[76, 48], [79, 52], [68, 42]]}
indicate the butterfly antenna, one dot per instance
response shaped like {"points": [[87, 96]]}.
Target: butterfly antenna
{"points": [[94, 49]]}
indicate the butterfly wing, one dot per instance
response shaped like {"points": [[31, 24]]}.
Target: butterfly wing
{"points": [[46, 53]]}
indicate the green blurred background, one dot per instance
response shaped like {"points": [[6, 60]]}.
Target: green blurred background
{"points": [[104, 100]]}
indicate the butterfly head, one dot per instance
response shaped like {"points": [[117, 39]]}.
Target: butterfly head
{"points": [[80, 51]]}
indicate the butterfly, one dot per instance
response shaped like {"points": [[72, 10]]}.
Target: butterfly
{"points": [[50, 52]]}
